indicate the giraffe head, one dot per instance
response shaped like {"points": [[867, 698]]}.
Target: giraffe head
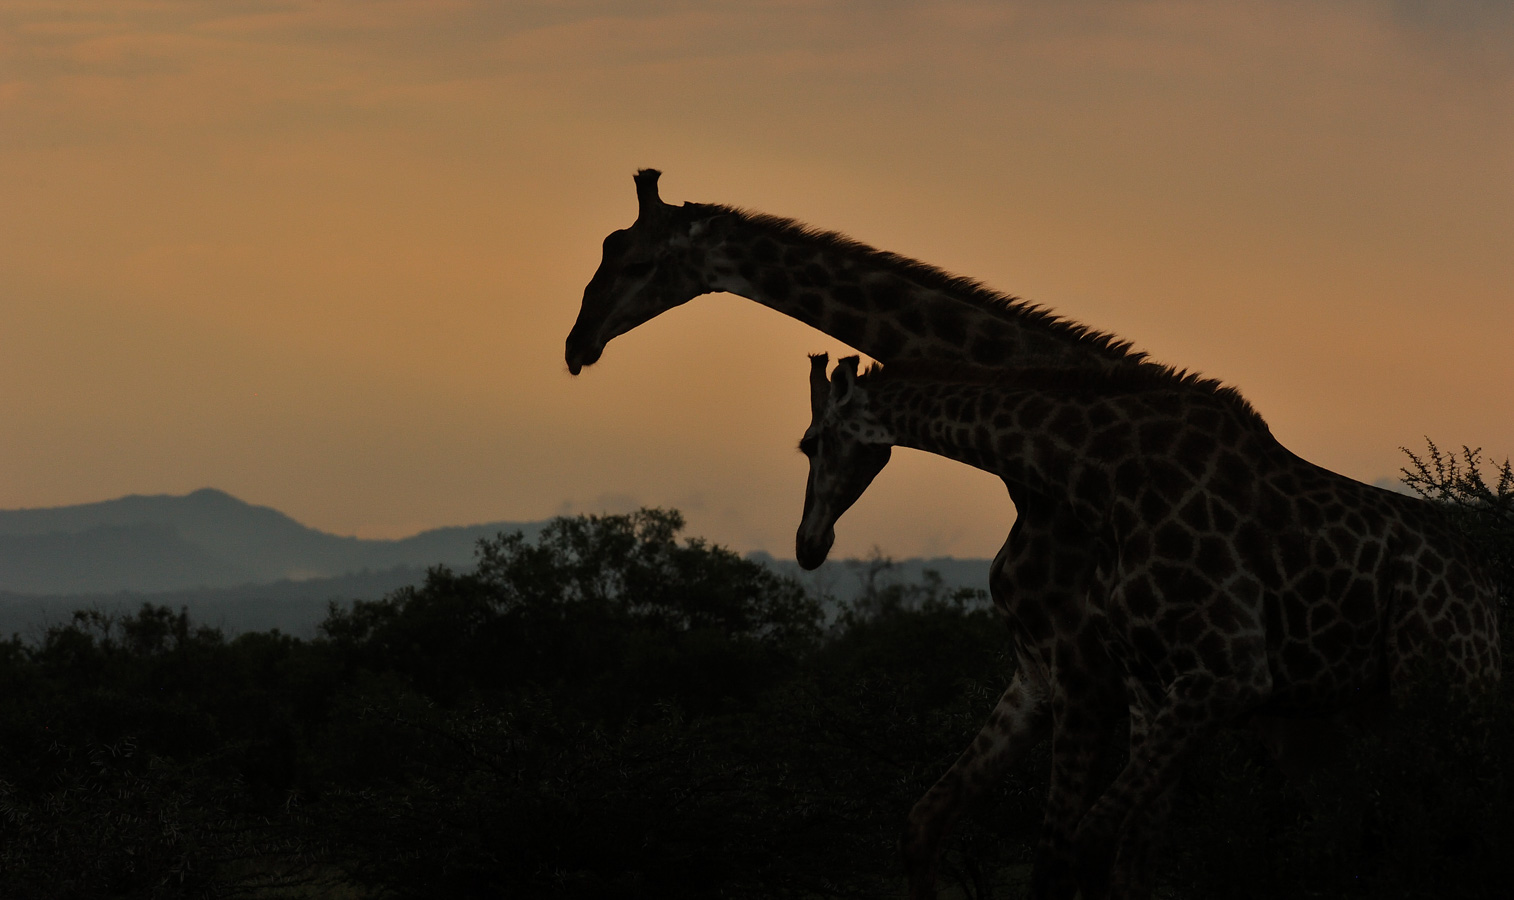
{"points": [[847, 448], [645, 270]]}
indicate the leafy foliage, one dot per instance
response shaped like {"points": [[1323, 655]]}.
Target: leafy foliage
{"points": [[1484, 513], [614, 711], [140, 757]]}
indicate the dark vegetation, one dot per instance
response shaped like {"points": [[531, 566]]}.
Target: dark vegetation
{"points": [[613, 711]]}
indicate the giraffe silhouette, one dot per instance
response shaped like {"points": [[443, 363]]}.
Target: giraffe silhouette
{"points": [[1232, 578], [897, 309]]}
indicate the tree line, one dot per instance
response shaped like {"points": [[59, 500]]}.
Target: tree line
{"points": [[614, 709]]}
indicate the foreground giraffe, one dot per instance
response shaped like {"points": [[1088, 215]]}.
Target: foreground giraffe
{"points": [[896, 309], [1233, 579]]}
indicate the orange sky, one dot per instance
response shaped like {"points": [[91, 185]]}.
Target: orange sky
{"points": [[323, 255]]}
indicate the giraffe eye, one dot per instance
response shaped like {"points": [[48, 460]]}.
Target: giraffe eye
{"points": [[809, 445]]}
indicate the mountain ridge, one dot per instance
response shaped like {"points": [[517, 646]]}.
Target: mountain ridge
{"points": [[243, 567], [204, 539]]}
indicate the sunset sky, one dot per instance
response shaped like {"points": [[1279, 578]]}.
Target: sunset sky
{"points": [[323, 255]]}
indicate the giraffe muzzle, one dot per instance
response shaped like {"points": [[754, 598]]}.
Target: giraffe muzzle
{"points": [[810, 550], [579, 353]]}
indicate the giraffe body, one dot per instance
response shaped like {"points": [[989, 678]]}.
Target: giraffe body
{"points": [[1230, 578]]}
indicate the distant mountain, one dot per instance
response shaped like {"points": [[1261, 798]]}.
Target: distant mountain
{"points": [[251, 568], [143, 557], [206, 539]]}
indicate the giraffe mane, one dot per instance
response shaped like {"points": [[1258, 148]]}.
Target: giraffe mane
{"points": [[1148, 376], [969, 291]]}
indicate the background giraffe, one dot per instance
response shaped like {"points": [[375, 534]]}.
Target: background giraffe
{"points": [[1233, 577]]}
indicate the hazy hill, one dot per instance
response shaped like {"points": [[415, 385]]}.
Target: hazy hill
{"points": [[205, 539], [143, 557], [251, 568]]}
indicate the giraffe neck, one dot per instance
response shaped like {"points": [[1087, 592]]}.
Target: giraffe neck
{"points": [[889, 307], [1087, 440], [1040, 442]]}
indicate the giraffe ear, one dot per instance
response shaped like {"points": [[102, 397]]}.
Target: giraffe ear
{"points": [[820, 386], [648, 204], [844, 380]]}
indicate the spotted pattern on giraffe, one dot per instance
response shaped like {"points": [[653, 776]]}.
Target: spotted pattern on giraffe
{"points": [[672, 254], [1223, 598]]}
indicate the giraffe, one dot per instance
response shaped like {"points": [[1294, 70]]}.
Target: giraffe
{"points": [[897, 309], [1233, 578]]}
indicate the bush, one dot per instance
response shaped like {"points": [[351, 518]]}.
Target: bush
{"points": [[613, 710], [143, 757], [635, 716], [1483, 513]]}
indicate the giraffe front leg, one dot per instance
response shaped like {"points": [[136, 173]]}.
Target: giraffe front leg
{"points": [[1132, 874], [1018, 722], [1080, 738], [1193, 707]]}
